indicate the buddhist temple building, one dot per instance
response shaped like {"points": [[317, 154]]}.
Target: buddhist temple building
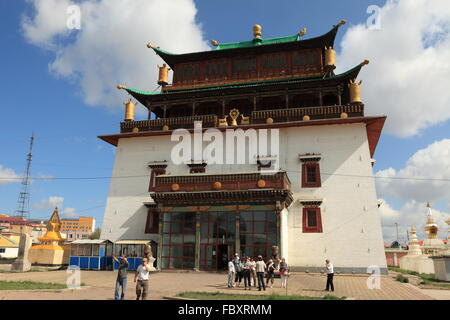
{"points": [[305, 194], [51, 250]]}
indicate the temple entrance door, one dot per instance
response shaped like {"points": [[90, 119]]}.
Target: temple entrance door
{"points": [[222, 257]]}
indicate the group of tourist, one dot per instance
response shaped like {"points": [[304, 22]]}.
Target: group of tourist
{"points": [[253, 272], [140, 278]]}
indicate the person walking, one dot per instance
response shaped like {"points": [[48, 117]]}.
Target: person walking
{"points": [[246, 273], [239, 274], [284, 272], [253, 271], [142, 279], [270, 272], [121, 282], [260, 268], [231, 273], [330, 274]]}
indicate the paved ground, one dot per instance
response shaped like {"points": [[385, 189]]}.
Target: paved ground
{"points": [[100, 286]]}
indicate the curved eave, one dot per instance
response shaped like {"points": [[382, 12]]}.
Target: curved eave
{"points": [[242, 48], [144, 97], [374, 126]]}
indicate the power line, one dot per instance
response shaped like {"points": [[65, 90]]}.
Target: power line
{"points": [[147, 175]]}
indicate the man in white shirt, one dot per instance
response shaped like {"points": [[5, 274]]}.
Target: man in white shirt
{"points": [[142, 279], [330, 274], [231, 273]]}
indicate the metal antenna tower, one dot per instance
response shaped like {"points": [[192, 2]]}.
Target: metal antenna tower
{"points": [[23, 203]]}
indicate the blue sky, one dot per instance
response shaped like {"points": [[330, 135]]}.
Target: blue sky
{"points": [[37, 99]]}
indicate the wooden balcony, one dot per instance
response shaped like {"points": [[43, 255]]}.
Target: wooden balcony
{"points": [[223, 188], [256, 117], [208, 121], [222, 182], [314, 113]]}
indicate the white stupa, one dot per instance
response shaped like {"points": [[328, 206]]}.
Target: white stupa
{"points": [[431, 229], [413, 245]]}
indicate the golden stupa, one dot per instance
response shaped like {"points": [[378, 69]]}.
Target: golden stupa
{"points": [[50, 250]]}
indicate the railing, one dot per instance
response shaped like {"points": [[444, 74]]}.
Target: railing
{"points": [[234, 181], [297, 114], [256, 117], [171, 123]]}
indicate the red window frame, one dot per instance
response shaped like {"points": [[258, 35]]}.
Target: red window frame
{"points": [[312, 229], [153, 174], [152, 223], [311, 184]]}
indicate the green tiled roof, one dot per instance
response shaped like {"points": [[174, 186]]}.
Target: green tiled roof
{"points": [[249, 83], [257, 42], [238, 48]]}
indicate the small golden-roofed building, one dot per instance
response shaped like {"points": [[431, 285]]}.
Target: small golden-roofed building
{"points": [[9, 248], [50, 249]]}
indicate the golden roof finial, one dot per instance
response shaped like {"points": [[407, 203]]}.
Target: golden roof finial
{"points": [[365, 62], [341, 23], [120, 86], [150, 46], [302, 32], [257, 31], [214, 43]]}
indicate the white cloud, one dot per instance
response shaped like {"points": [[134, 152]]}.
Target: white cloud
{"points": [[50, 203], [432, 162], [110, 48], [8, 175], [69, 213], [412, 213], [408, 77], [54, 201]]}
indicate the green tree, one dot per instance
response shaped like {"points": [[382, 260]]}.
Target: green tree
{"points": [[95, 234]]}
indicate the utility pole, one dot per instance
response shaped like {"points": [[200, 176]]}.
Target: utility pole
{"points": [[396, 228], [21, 264], [23, 203]]}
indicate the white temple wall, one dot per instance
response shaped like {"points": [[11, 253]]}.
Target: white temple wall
{"points": [[351, 235]]}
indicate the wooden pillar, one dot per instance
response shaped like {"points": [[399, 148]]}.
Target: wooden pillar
{"points": [[149, 112], [320, 99], [223, 107], [254, 103], [287, 100], [339, 95], [197, 241], [165, 111], [237, 239], [278, 219], [160, 240], [193, 108]]}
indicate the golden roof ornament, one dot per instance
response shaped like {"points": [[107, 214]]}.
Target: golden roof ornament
{"points": [[214, 43], [150, 46], [163, 77], [341, 23], [355, 91], [121, 86], [302, 32], [234, 114], [257, 31], [129, 110]]}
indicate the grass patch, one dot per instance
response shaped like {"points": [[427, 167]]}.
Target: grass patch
{"points": [[230, 296], [401, 278], [29, 285], [427, 278]]}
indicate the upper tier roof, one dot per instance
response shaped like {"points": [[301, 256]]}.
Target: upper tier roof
{"points": [[255, 46], [145, 96]]}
